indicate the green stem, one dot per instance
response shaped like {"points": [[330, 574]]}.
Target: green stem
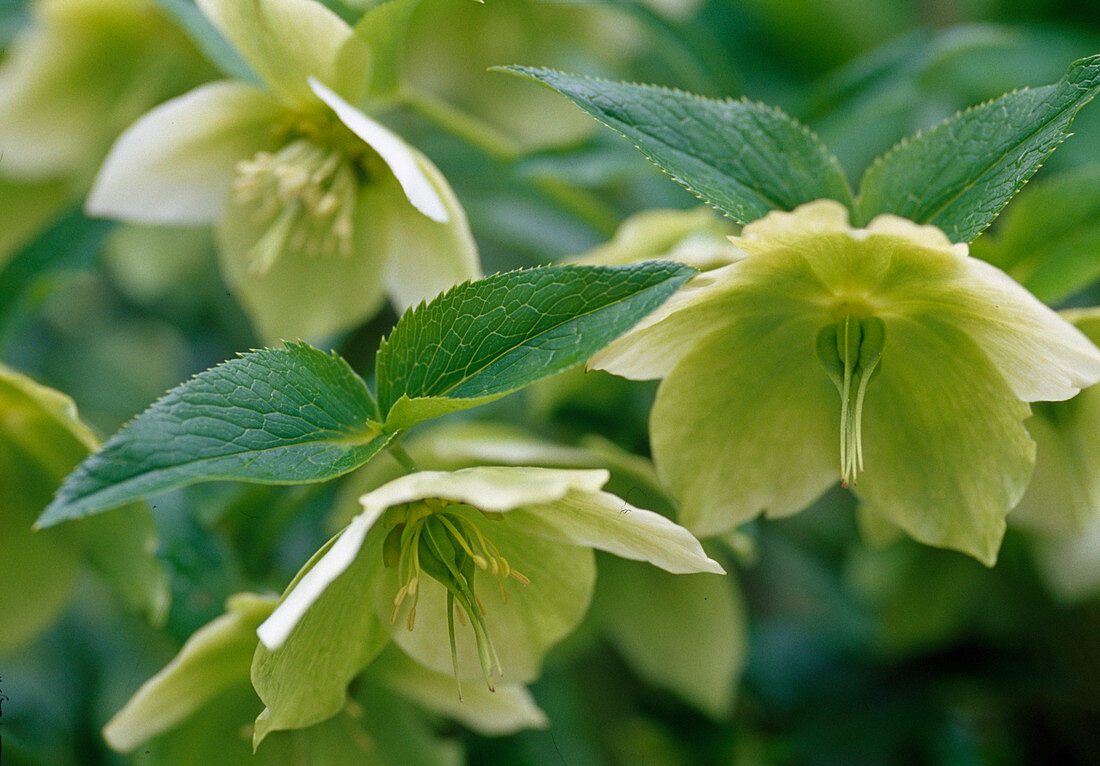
{"points": [[479, 134], [401, 456], [463, 125]]}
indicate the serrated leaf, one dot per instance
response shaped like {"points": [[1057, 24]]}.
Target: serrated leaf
{"points": [[741, 157], [959, 175], [484, 339], [277, 416]]}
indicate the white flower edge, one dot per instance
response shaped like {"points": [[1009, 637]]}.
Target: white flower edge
{"points": [[544, 497], [398, 155]]}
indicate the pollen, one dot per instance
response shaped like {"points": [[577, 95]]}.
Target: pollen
{"points": [[305, 196]]}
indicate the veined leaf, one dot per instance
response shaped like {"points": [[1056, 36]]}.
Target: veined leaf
{"points": [[959, 175], [484, 339], [278, 416], [742, 157]]}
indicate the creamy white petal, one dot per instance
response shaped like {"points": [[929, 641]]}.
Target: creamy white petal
{"points": [[335, 561], [393, 150], [489, 488], [176, 164], [602, 520]]}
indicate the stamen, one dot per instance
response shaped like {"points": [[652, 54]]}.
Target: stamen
{"points": [[306, 194]]}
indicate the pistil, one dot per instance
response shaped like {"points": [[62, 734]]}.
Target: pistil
{"points": [[850, 352]]}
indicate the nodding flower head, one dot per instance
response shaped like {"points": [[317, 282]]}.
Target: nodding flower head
{"points": [[919, 356], [426, 546]]}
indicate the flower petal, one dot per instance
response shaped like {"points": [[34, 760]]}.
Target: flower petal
{"points": [[322, 634], [508, 709], [685, 634], [946, 453], [535, 617], [214, 659], [176, 164], [423, 256], [1063, 497], [1041, 355], [656, 344], [302, 296], [602, 520], [288, 41], [400, 157], [747, 422], [490, 488]]}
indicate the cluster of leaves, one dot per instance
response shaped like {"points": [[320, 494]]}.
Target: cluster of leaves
{"points": [[296, 434]]}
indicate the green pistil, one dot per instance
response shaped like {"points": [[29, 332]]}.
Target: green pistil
{"points": [[435, 538], [850, 351]]}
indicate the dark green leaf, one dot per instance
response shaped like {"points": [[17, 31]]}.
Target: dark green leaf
{"points": [[70, 244], [744, 158], [959, 175], [278, 416], [484, 339]]}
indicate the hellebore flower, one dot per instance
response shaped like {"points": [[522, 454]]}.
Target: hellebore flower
{"points": [[428, 546], [1061, 507], [70, 82], [920, 358], [200, 707], [319, 208]]}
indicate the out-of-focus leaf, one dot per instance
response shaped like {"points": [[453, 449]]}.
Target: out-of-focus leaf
{"points": [[71, 243], [960, 174], [1049, 239], [279, 416]]}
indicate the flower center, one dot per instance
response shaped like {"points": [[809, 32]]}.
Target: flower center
{"points": [[305, 195], [437, 538], [850, 351]]}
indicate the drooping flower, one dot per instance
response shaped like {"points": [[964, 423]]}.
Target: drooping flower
{"points": [[73, 78], [475, 572], [1061, 507], [687, 635], [200, 707], [320, 210], [890, 342]]}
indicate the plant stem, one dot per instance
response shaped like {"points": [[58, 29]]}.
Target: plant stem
{"points": [[479, 134], [401, 456]]}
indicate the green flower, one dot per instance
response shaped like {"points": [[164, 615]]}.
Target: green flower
{"points": [[200, 707], [1061, 508], [684, 634], [71, 81], [41, 440], [475, 572], [320, 210], [890, 342]]}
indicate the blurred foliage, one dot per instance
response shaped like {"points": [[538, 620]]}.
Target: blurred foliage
{"points": [[857, 653]]}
